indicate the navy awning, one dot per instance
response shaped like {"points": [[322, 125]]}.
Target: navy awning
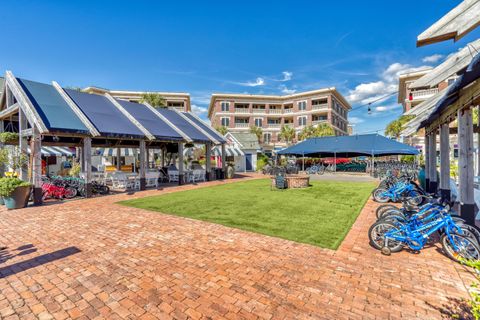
{"points": [[54, 111], [150, 121], [108, 120], [212, 132], [472, 73], [177, 120], [350, 146]]}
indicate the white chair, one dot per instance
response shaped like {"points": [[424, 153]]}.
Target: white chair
{"points": [[197, 175], [172, 176], [121, 181], [151, 178]]}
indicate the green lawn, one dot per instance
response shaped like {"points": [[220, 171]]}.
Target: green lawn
{"points": [[320, 215]]}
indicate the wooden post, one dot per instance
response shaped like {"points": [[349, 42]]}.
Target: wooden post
{"points": [[433, 162], [143, 181], [81, 157], [208, 161], [465, 165], [22, 121], [224, 162], [36, 150], [445, 162], [87, 156], [180, 163], [148, 158], [119, 153], [2, 166], [478, 142], [427, 163]]}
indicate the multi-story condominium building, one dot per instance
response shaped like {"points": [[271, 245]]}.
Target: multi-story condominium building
{"points": [[178, 101], [240, 112]]}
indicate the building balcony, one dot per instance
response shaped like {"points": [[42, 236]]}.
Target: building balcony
{"points": [[242, 110], [423, 94], [275, 111], [177, 108], [274, 125], [315, 122], [242, 125], [258, 111], [323, 106], [290, 110]]}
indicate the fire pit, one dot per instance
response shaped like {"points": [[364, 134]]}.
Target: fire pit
{"points": [[295, 181]]}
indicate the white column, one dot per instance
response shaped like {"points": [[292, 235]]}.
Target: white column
{"points": [[22, 121], [142, 167], [427, 163], [465, 165], [224, 163], [36, 149], [208, 160], [119, 166], [445, 161], [180, 164], [87, 156], [433, 161]]}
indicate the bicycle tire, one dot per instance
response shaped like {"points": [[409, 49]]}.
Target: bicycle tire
{"points": [[375, 236], [467, 248], [383, 207]]}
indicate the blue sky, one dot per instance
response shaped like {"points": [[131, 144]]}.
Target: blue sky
{"points": [[201, 47]]}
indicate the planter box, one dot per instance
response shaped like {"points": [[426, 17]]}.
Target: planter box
{"points": [[18, 199]]}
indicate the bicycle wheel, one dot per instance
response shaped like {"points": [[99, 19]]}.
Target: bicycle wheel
{"points": [[379, 195], [377, 232], [70, 193], [382, 208], [461, 248]]}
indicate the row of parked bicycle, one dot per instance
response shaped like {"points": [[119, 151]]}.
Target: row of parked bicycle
{"points": [[385, 169], [69, 188], [420, 220]]}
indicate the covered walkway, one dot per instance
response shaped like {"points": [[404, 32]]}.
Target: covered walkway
{"points": [[49, 115]]}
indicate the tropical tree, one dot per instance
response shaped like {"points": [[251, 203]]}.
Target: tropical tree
{"points": [[395, 128], [222, 130], [154, 99], [257, 131], [287, 133], [321, 130]]}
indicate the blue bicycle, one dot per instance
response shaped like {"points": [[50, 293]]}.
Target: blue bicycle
{"points": [[398, 191]]}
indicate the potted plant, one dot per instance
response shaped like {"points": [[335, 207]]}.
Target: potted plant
{"points": [[15, 192]]}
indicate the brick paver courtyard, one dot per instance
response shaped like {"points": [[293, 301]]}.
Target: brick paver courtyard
{"points": [[93, 259]]}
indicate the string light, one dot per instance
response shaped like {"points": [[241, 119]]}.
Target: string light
{"points": [[369, 109]]}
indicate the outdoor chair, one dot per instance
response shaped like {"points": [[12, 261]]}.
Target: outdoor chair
{"points": [[197, 175], [172, 176], [121, 181], [151, 179]]}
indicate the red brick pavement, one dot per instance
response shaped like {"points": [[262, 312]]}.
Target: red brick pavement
{"points": [[136, 264]]}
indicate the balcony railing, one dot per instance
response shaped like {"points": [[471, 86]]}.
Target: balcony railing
{"points": [[275, 111], [241, 125], [242, 110], [423, 94], [320, 106], [290, 110], [177, 108], [274, 125], [258, 110], [315, 122]]}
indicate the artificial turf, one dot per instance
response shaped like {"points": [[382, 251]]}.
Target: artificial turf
{"points": [[320, 215]]}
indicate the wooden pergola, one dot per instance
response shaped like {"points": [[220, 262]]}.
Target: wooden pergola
{"points": [[49, 115]]}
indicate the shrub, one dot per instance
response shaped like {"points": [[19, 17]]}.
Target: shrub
{"points": [[262, 161], [75, 170], [8, 185], [9, 138]]}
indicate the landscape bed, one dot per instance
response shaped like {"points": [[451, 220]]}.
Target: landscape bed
{"points": [[320, 215]]}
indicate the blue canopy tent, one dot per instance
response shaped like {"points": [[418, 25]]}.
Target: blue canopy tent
{"points": [[350, 146]]}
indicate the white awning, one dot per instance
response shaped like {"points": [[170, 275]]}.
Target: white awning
{"points": [[112, 152], [449, 67], [230, 150], [454, 25], [55, 151]]}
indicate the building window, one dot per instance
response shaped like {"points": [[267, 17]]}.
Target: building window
{"points": [[267, 137], [225, 122], [258, 122], [302, 105], [225, 106], [302, 121]]}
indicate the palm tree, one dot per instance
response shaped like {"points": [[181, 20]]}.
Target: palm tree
{"points": [[307, 132], [154, 99], [257, 131], [222, 130], [395, 128], [324, 130], [287, 133]]}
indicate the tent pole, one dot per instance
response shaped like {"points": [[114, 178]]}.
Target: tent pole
{"points": [[373, 165], [303, 162], [335, 161]]}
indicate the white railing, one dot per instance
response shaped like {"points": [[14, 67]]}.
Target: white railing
{"points": [[315, 122], [423, 94], [320, 106], [290, 110], [274, 125], [275, 111], [242, 110], [241, 125], [258, 110], [177, 108]]}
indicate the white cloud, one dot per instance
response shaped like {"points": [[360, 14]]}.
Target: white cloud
{"points": [[287, 75], [286, 90], [258, 82], [387, 84], [355, 120], [434, 58], [199, 110]]}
